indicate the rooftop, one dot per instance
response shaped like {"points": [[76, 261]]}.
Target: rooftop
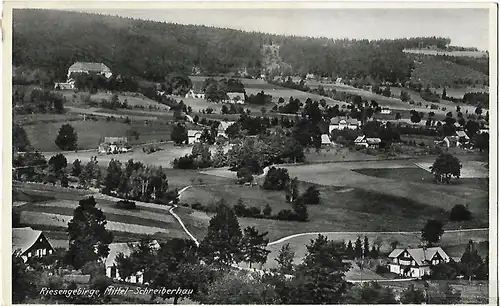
{"points": [[421, 255]]}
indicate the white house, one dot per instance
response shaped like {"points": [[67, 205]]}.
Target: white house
{"points": [[192, 94], [416, 262], [340, 123], [385, 111], [70, 84], [235, 98], [224, 125], [86, 67], [325, 140], [194, 136], [111, 264], [367, 142], [30, 243]]}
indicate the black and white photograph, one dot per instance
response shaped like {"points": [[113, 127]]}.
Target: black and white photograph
{"points": [[250, 153]]}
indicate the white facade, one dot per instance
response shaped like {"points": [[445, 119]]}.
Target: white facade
{"points": [[192, 94], [194, 136]]}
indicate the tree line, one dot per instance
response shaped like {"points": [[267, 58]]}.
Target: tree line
{"points": [[158, 48]]}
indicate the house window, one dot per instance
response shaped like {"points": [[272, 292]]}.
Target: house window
{"points": [[29, 254], [413, 262], [50, 251], [395, 260], [44, 252]]}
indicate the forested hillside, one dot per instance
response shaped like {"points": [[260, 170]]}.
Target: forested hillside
{"points": [[53, 40]]}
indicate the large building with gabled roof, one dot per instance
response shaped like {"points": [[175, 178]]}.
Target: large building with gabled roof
{"points": [[416, 262], [87, 67]]}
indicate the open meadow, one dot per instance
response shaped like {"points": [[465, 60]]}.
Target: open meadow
{"points": [[82, 99], [42, 136], [50, 208]]}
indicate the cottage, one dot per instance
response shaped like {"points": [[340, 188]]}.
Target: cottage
{"points": [[30, 243], [416, 262], [85, 67], [192, 94], [223, 126], [385, 111], [367, 142], [111, 264], [194, 136], [114, 145], [462, 135], [70, 84], [341, 123], [325, 140], [235, 98]]}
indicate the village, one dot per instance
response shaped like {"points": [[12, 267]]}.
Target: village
{"points": [[217, 183]]}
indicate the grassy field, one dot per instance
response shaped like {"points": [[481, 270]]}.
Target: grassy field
{"points": [[50, 208], [163, 158], [395, 200], [444, 73], [42, 135], [133, 99]]}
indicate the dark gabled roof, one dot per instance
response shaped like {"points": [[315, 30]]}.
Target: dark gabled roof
{"points": [[421, 255], [24, 238]]}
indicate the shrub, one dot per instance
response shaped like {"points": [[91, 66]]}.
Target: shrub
{"points": [[381, 269], [311, 196], [276, 179], [285, 215], [124, 204], [244, 175], [197, 206], [460, 213]]}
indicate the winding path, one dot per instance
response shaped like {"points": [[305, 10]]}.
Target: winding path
{"points": [[368, 233], [171, 211]]}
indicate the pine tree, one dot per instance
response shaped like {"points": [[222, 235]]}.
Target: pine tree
{"points": [[113, 176], [77, 168], [253, 246], [88, 237], [350, 250], [221, 245], [323, 270], [67, 138], [285, 260], [358, 248], [366, 247]]}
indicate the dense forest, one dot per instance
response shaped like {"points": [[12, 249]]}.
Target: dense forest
{"points": [[51, 41]]}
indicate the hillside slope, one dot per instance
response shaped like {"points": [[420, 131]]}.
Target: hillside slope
{"points": [[438, 73], [53, 40]]}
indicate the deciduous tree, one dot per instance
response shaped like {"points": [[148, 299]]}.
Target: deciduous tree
{"points": [[67, 138]]}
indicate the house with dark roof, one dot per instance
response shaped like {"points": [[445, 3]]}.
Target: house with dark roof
{"points": [[30, 243], [87, 67], [416, 262], [340, 123]]}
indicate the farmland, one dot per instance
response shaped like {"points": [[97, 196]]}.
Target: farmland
{"points": [[83, 99], [55, 212], [43, 135]]}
